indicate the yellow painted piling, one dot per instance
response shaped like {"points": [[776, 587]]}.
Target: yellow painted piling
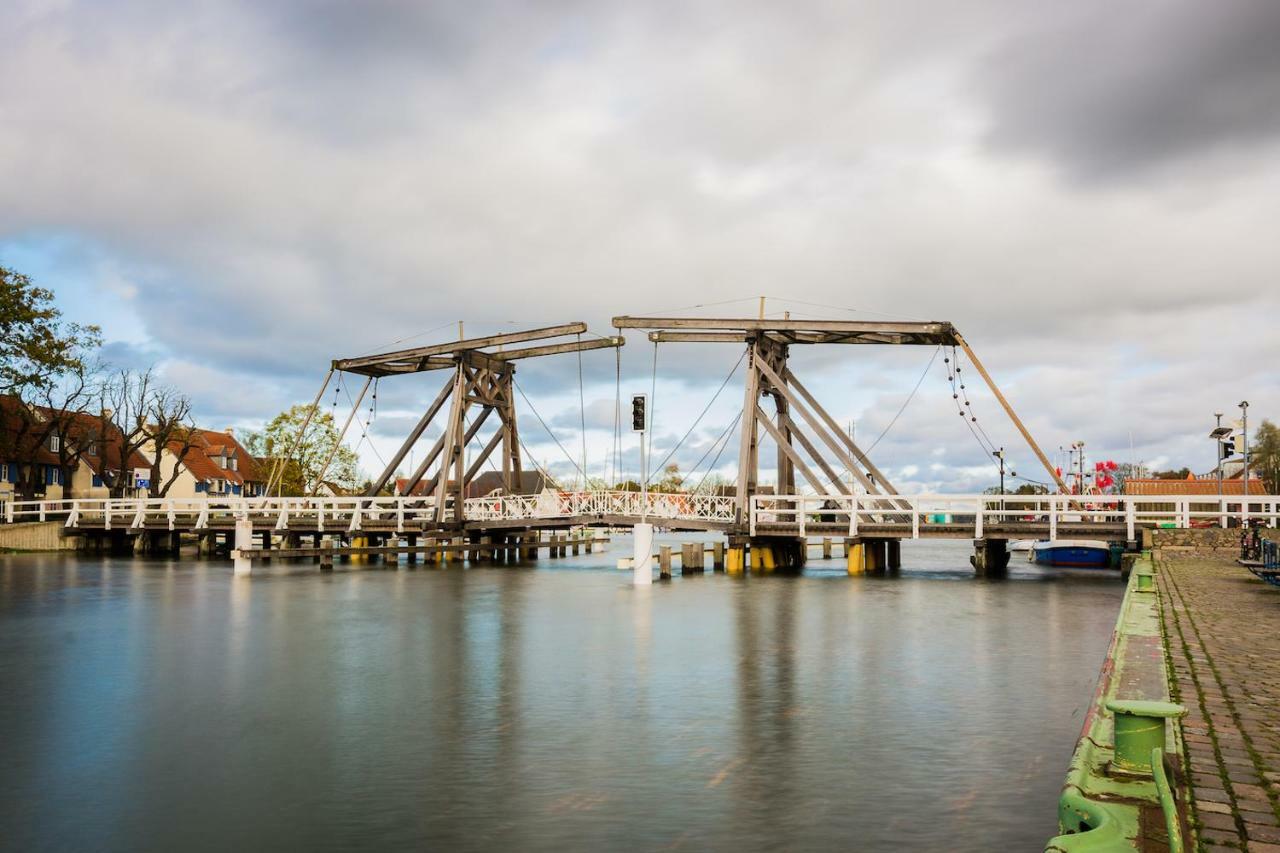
{"points": [[855, 557]]}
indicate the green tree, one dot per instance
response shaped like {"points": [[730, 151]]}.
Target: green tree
{"points": [[304, 468], [672, 480], [1264, 455], [1178, 474], [37, 347]]}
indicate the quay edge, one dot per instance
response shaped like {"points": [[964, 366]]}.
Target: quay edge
{"points": [[1107, 803]]}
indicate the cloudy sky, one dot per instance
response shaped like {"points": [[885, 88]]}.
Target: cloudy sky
{"points": [[241, 192]]}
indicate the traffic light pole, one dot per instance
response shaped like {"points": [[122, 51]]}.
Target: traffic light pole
{"points": [[642, 533]]}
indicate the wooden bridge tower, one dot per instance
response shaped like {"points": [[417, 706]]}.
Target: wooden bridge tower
{"points": [[798, 424], [482, 376]]}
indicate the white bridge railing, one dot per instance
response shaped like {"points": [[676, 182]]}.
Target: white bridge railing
{"points": [[355, 512], [982, 511], [850, 512]]}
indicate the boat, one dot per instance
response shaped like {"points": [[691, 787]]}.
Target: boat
{"points": [[1073, 553], [1022, 544]]}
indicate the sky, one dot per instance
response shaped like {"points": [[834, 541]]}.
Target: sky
{"points": [[239, 192]]}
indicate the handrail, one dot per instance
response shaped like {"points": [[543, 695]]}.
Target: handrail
{"points": [[908, 512], [1167, 804]]}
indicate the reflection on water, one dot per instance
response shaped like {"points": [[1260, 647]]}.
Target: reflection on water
{"points": [[150, 705]]}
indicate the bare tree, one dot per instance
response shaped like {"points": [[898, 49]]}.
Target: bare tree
{"points": [[126, 401], [170, 428]]}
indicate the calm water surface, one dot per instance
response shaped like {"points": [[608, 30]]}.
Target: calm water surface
{"points": [[153, 705]]}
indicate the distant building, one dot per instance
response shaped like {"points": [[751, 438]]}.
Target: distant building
{"points": [[210, 464], [486, 483], [36, 443], [1192, 486]]}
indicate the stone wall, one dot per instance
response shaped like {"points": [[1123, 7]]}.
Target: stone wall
{"points": [[35, 536], [1208, 539]]}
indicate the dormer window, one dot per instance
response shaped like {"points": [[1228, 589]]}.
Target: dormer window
{"points": [[55, 443]]}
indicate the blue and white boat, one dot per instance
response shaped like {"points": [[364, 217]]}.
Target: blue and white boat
{"points": [[1073, 553]]}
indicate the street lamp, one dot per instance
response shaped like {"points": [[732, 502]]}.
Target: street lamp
{"points": [[999, 454], [1219, 435], [1244, 431]]}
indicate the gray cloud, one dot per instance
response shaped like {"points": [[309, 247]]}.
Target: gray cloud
{"points": [[1109, 93], [278, 185]]}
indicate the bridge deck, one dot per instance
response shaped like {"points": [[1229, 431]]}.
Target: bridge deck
{"points": [[883, 516]]}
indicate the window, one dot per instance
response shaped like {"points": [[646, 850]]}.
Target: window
{"points": [[202, 487], [5, 476], [55, 443]]}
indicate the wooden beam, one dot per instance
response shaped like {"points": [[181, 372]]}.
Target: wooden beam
{"points": [[789, 451], [698, 337], [556, 349], [1031, 442], [845, 327], [821, 431], [817, 457], [453, 347], [409, 442], [324, 469], [436, 448], [853, 448], [278, 467], [489, 447]]}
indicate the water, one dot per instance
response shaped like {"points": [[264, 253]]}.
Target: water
{"points": [[154, 705]]}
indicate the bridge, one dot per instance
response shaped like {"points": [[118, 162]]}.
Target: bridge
{"points": [[844, 493]]}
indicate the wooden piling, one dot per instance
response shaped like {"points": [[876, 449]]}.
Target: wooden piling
{"points": [[664, 562], [826, 547], [717, 557]]}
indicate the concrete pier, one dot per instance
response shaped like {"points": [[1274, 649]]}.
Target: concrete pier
{"points": [[990, 557]]}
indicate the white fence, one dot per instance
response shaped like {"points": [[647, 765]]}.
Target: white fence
{"points": [[801, 511], [355, 512], [982, 511]]}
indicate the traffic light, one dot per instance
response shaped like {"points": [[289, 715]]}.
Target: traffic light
{"points": [[1227, 448], [637, 413]]}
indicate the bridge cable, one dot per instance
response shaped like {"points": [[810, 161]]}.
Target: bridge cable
{"points": [[582, 413], [529, 402], [722, 438], [698, 420], [653, 408], [906, 402], [617, 416]]}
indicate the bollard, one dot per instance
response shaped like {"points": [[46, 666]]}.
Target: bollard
{"points": [[664, 562], [642, 554], [1139, 728], [244, 539]]}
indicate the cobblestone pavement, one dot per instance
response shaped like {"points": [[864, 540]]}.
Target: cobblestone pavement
{"points": [[1223, 630]]}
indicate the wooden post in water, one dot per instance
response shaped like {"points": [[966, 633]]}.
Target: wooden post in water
{"points": [[664, 562], [826, 547], [717, 557]]}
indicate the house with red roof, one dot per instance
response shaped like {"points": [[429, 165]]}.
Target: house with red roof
{"points": [[46, 454], [209, 463]]}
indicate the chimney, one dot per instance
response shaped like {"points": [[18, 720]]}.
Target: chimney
{"points": [[231, 431], [106, 414]]}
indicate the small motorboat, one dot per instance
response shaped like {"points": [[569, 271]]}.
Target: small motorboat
{"points": [[1022, 544], [1073, 553]]}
